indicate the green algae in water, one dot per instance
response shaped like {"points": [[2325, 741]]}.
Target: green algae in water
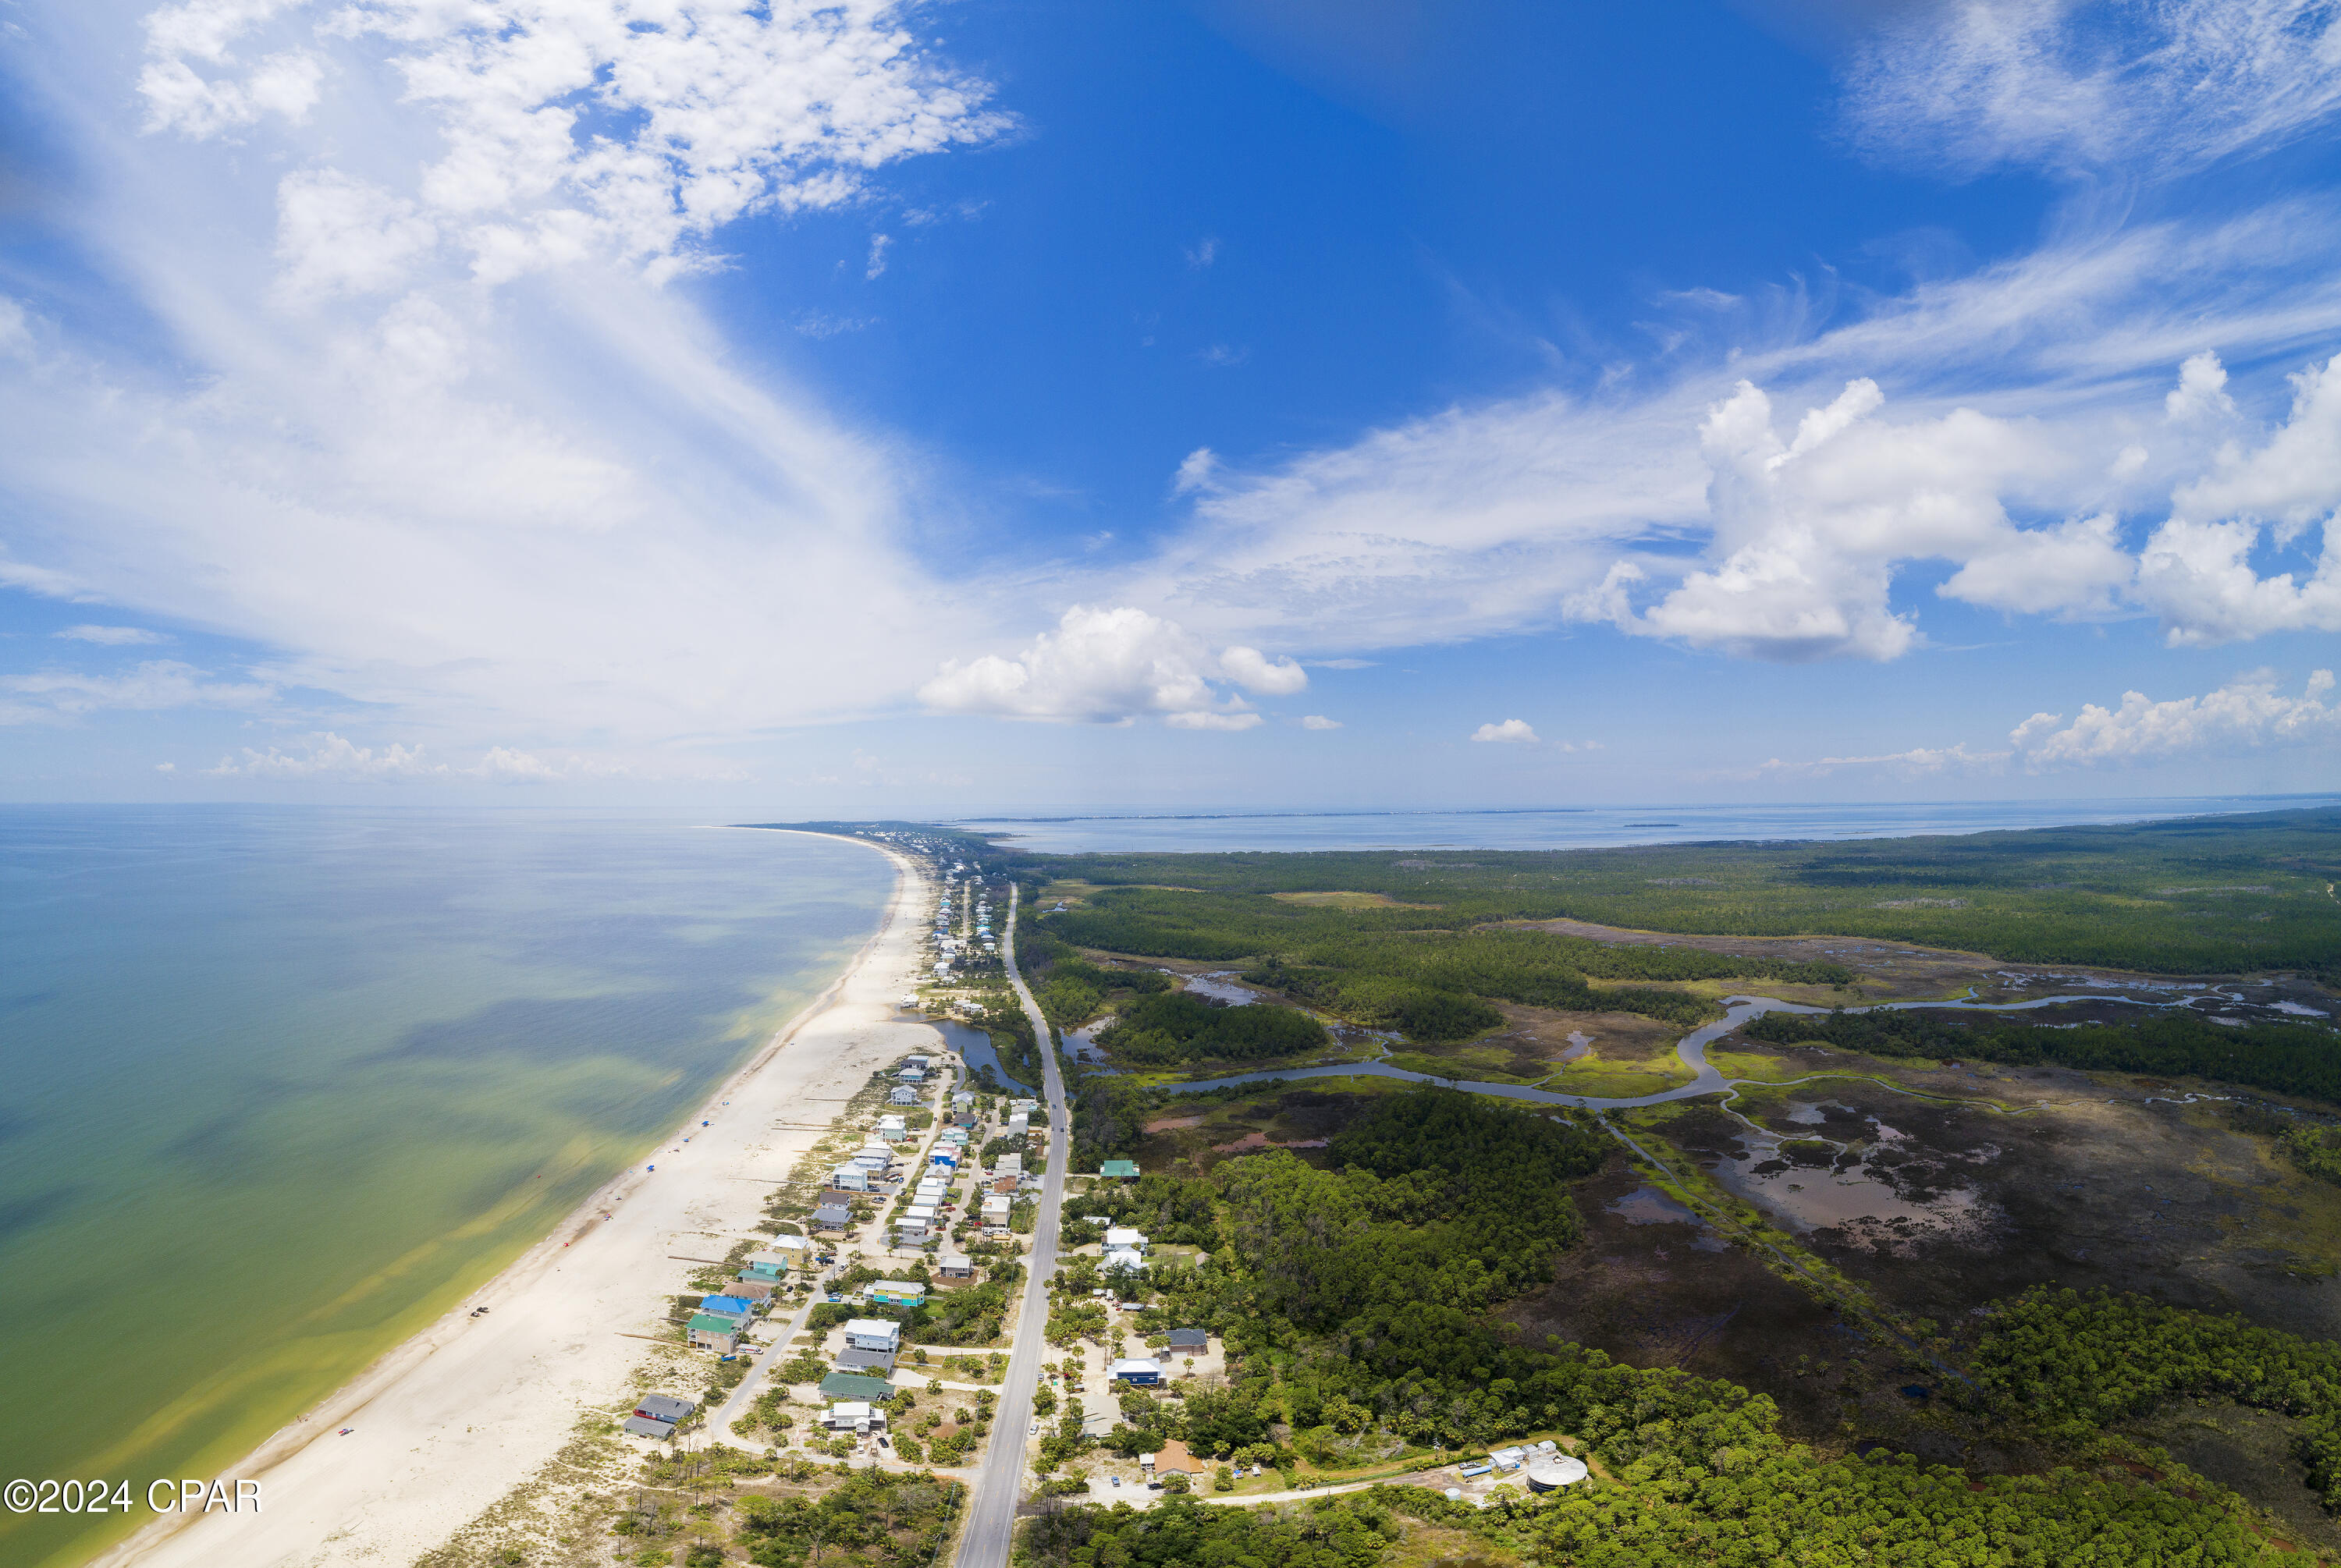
{"points": [[283, 1083]]}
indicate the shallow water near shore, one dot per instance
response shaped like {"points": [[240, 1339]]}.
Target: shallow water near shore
{"points": [[283, 1083]]}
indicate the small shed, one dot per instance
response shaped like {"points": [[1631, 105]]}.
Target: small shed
{"points": [[643, 1427], [1119, 1170], [1135, 1369]]}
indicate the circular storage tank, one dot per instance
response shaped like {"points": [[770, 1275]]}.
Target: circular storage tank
{"points": [[1455, 1495], [1552, 1473]]}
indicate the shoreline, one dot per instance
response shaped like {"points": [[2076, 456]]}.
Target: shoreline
{"points": [[487, 1401]]}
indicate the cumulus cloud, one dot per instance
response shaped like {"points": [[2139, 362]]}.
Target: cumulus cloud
{"points": [[2202, 390], [2247, 714], [1319, 721], [1106, 666], [110, 636], [1809, 531], [573, 126], [154, 686], [1512, 732]]}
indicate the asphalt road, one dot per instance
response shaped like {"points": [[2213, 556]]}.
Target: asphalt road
{"points": [[1000, 1485]]}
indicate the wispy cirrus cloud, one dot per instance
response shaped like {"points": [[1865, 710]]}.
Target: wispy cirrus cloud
{"points": [[56, 695], [420, 343]]}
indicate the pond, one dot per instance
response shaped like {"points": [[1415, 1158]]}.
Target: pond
{"points": [[974, 1049]]}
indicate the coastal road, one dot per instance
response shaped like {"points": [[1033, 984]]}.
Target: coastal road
{"points": [[1000, 1485]]}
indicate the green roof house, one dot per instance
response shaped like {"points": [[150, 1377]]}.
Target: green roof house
{"points": [[1119, 1170], [710, 1332]]}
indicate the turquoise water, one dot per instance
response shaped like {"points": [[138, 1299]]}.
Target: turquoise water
{"points": [[278, 1085], [1135, 831]]}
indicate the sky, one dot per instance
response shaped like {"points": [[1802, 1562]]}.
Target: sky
{"points": [[918, 409]]}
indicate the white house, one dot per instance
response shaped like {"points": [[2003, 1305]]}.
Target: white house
{"points": [[853, 1415], [1123, 1235], [874, 1333], [1119, 1257], [995, 1210]]}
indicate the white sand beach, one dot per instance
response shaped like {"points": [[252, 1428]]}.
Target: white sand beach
{"points": [[451, 1420]]}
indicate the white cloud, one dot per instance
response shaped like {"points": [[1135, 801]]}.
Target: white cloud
{"points": [[1205, 721], [1319, 721], [572, 127], [1106, 666], [2201, 391], [2246, 715], [1514, 731], [328, 756], [110, 636], [1195, 472], [159, 684], [559, 506], [2086, 84], [1255, 672], [1918, 762], [1203, 253], [1224, 355], [335, 234], [2074, 568], [878, 246]]}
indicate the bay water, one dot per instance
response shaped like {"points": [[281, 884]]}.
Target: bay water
{"points": [[278, 1086]]}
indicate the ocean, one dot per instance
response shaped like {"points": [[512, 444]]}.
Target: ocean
{"points": [[278, 1086], [1137, 830]]}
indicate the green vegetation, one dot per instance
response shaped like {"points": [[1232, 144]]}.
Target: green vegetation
{"points": [[1174, 1027], [2285, 1058], [2216, 894], [870, 1517], [2086, 1361], [1183, 1532]]}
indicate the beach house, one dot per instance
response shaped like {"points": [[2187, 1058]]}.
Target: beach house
{"points": [[995, 1210], [667, 1407], [642, 1426], [1135, 1369], [752, 1288], [706, 1331], [738, 1307], [897, 1292], [902, 1095], [1119, 1170], [831, 1216], [955, 1267], [1123, 1236], [855, 1416], [849, 1178], [874, 1333], [1187, 1342]]}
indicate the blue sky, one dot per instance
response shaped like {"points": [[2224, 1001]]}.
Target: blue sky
{"points": [[982, 405]]}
